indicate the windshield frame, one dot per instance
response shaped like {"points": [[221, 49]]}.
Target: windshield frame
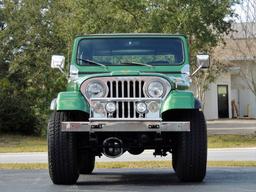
{"points": [[133, 37]]}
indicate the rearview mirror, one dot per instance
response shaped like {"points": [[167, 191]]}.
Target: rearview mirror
{"points": [[58, 62], [203, 61]]}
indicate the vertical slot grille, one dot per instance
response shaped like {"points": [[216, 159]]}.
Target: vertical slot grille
{"points": [[125, 89], [128, 88], [126, 109]]}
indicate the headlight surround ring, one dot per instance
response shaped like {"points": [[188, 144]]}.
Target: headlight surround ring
{"points": [[155, 89], [96, 89]]}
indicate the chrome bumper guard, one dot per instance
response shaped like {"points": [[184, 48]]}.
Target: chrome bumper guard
{"points": [[126, 126]]}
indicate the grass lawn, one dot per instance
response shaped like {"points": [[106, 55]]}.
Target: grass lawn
{"points": [[18, 143], [227, 141], [138, 164]]}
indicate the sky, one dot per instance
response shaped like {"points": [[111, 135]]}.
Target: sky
{"points": [[240, 12], [247, 8]]}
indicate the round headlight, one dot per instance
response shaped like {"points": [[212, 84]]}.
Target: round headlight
{"points": [[155, 89], [98, 108], [153, 107], [141, 107], [95, 89], [111, 107]]}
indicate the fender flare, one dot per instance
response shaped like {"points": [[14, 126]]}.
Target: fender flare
{"points": [[198, 104], [70, 101], [53, 105]]}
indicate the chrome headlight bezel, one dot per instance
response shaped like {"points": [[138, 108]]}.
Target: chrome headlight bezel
{"points": [[165, 86], [101, 85], [155, 86]]}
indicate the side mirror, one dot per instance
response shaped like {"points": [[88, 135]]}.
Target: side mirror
{"points": [[203, 61], [58, 62]]}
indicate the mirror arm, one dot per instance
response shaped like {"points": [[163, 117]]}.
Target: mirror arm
{"points": [[63, 72], [196, 70]]}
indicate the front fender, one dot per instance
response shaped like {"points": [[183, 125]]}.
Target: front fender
{"points": [[179, 100], [72, 101]]}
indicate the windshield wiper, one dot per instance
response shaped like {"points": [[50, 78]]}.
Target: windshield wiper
{"points": [[92, 62], [136, 63]]}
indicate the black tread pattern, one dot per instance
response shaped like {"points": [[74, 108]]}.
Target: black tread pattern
{"points": [[62, 151], [87, 162], [190, 150]]}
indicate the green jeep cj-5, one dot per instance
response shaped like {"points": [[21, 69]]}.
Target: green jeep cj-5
{"points": [[127, 93]]}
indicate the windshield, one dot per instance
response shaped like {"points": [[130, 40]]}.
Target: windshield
{"points": [[130, 51]]}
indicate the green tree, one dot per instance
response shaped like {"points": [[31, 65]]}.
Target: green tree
{"points": [[26, 47]]}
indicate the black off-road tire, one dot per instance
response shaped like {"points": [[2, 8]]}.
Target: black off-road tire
{"points": [[190, 149], [62, 151], [87, 162]]}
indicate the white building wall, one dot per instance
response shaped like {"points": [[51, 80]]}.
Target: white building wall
{"points": [[252, 108], [211, 102], [211, 97], [246, 100]]}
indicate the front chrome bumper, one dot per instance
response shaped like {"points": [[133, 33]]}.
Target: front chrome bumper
{"points": [[126, 126]]}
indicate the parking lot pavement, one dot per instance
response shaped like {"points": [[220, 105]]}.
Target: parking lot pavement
{"points": [[217, 180]]}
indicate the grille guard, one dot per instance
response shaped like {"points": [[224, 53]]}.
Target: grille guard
{"points": [[155, 116]]}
